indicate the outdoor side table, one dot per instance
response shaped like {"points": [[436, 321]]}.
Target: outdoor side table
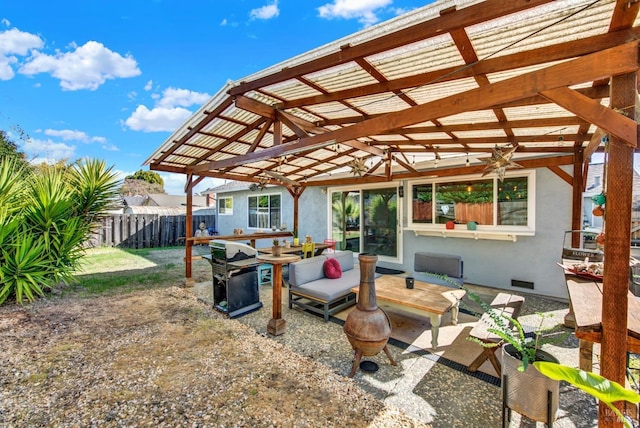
{"points": [[277, 325]]}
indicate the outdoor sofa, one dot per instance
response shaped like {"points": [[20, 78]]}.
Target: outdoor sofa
{"points": [[312, 290]]}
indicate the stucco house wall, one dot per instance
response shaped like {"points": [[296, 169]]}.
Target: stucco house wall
{"points": [[486, 262], [531, 258], [311, 205]]}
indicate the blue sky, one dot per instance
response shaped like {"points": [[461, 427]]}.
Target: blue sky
{"points": [[111, 79]]}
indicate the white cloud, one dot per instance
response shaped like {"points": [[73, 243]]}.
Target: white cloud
{"points": [[15, 42], [172, 97], [174, 183], [110, 147], [47, 151], [157, 119], [5, 21], [86, 67], [265, 12], [224, 22], [73, 135], [168, 113], [18, 42], [363, 10], [149, 85]]}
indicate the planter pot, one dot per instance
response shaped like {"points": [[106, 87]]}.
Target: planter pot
{"points": [[276, 251], [527, 392], [296, 242]]}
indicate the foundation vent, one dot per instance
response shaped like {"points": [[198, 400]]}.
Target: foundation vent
{"points": [[521, 284]]}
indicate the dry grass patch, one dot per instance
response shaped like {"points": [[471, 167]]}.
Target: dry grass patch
{"points": [[161, 358]]}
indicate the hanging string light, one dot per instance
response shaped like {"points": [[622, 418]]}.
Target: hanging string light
{"points": [[467, 163]]}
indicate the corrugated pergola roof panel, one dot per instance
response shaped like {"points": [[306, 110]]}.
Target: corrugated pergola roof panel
{"points": [[291, 90], [539, 111], [333, 110], [341, 77], [550, 22], [427, 55], [379, 103], [478, 116]]}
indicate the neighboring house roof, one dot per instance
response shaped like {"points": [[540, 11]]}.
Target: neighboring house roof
{"points": [[131, 201], [167, 210], [231, 186], [155, 210], [163, 200], [595, 181]]}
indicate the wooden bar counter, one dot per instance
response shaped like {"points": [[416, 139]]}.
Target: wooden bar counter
{"points": [[251, 237], [586, 305]]}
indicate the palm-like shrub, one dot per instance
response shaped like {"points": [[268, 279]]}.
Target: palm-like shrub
{"points": [[46, 214]]}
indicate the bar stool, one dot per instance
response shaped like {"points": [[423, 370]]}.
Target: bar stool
{"points": [[265, 274]]}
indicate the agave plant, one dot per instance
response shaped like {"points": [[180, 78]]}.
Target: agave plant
{"points": [[46, 214]]}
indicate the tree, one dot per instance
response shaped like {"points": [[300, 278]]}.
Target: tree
{"points": [[46, 215], [141, 183], [148, 176], [9, 149]]}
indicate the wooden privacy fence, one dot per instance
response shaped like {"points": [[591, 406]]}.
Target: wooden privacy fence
{"points": [[145, 230]]}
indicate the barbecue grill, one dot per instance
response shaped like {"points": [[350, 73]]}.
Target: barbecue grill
{"points": [[235, 278]]}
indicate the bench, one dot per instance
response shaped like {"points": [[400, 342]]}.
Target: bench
{"points": [[438, 268], [506, 304]]}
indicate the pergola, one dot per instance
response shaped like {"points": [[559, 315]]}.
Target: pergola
{"points": [[448, 89]]}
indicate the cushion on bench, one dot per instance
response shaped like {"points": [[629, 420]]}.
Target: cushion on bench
{"points": [[428, 266], [446, 264], [327, 289]]}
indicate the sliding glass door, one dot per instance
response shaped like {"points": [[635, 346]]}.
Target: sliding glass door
{"points": [[366, 220], [380, 221]]}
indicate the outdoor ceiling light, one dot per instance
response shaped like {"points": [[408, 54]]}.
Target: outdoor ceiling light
{"points": [[500, 161], [467, 161]]}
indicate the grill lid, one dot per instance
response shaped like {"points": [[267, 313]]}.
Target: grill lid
{"points": [[234, 250]]}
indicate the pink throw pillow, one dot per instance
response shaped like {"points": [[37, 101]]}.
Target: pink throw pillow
{"points": [[332, 269]]}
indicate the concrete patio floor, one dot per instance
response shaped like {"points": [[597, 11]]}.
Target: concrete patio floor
{"points": [[424, 384]]}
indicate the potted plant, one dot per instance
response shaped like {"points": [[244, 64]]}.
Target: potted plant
{"points": [[526, 389], [597, 386], [276, 249], [296, 241]]}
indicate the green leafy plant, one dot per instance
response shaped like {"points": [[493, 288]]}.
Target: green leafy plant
{"points": [[276, 242], [510, 330], [46, 215], [597, 386]]}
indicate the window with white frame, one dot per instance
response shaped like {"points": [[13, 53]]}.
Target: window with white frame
{"points": [[225, 206], [491, 203], [265, 211]]}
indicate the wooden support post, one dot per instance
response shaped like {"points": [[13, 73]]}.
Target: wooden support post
{"points": [[188, 281], [576, 212], [617, 247]]}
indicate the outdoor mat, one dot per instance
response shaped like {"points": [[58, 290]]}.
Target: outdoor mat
{"points": [[412, 333]]}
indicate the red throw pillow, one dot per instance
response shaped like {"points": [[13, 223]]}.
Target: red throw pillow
{"points": [[332, 269]]}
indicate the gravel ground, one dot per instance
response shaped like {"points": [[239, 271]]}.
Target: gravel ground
{"points": [[162, 358], [423, 386]]}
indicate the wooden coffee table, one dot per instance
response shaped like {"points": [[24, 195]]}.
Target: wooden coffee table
{"points": [[424, 299]]}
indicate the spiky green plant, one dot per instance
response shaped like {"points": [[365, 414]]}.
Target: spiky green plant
{"points": [[597, 386], [46, 214]]}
